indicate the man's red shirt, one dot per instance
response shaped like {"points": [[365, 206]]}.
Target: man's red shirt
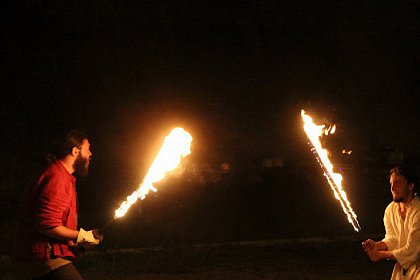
{"points": [[51, 202]]}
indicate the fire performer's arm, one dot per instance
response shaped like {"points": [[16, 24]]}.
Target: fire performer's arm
{"points": [[381, 255], [381, 246], [60, 233], [81, 238], [51, 202], [407, 255], [377, 255], [389, 249], [377, 250], [372, 245]]}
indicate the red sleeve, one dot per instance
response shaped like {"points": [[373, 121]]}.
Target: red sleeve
{"points": [[52, 202]]}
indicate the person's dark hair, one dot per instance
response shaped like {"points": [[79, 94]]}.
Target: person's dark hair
{"points": [[69, 140], [407, 172]]}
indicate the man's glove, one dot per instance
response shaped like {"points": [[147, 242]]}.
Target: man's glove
{"points": [[87, 239]]}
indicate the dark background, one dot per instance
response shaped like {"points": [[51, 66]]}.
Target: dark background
{"points": [[236, 77]]}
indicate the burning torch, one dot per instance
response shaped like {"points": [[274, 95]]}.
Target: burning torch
{"points": [[175, 147], [314, 133]]}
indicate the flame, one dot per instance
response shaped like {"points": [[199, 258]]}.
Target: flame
{"points": [[346, 152], [330, 130], [314, 133], [175, 147]]}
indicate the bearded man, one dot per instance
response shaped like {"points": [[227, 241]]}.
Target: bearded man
{"points": [[402, 227], [48, 240]]}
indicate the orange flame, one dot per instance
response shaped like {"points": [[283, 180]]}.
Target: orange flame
{"points": [[175, 147], [314, 133]]}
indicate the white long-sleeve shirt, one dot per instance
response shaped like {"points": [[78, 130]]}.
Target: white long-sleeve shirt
{"points": [[403, 235]]}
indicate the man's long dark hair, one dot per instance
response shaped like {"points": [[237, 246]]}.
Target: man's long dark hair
{"points": [[59, 148], [69, 140], [408, 173]]}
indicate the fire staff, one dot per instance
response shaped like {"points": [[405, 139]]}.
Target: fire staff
{"points": [[48, 239]]}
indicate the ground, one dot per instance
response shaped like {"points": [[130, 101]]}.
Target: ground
{"points": [[340, 258]]}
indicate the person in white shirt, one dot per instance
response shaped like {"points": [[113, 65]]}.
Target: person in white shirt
{"points": [[402, 227]]}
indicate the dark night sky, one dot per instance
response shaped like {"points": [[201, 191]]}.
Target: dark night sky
{"points": [[234, 75], [230, 66]]}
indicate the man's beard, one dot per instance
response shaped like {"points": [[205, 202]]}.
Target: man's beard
{"points": [[398, 199], [81, 165]]}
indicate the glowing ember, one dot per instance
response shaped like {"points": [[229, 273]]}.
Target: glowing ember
{"points": [[346, 152], [175, 147], [314, 133]]}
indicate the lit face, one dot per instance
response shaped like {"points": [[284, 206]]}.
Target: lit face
{"points": [[400, 189], [81, 164]]}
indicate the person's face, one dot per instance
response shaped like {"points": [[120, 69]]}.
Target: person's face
{"points": [[81, 164], [400, 189]]}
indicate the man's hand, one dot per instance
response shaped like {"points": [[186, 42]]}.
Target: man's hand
{"points": [[368, 245], [370, 248], [377, 251], [87, 239], [374, 255]]}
